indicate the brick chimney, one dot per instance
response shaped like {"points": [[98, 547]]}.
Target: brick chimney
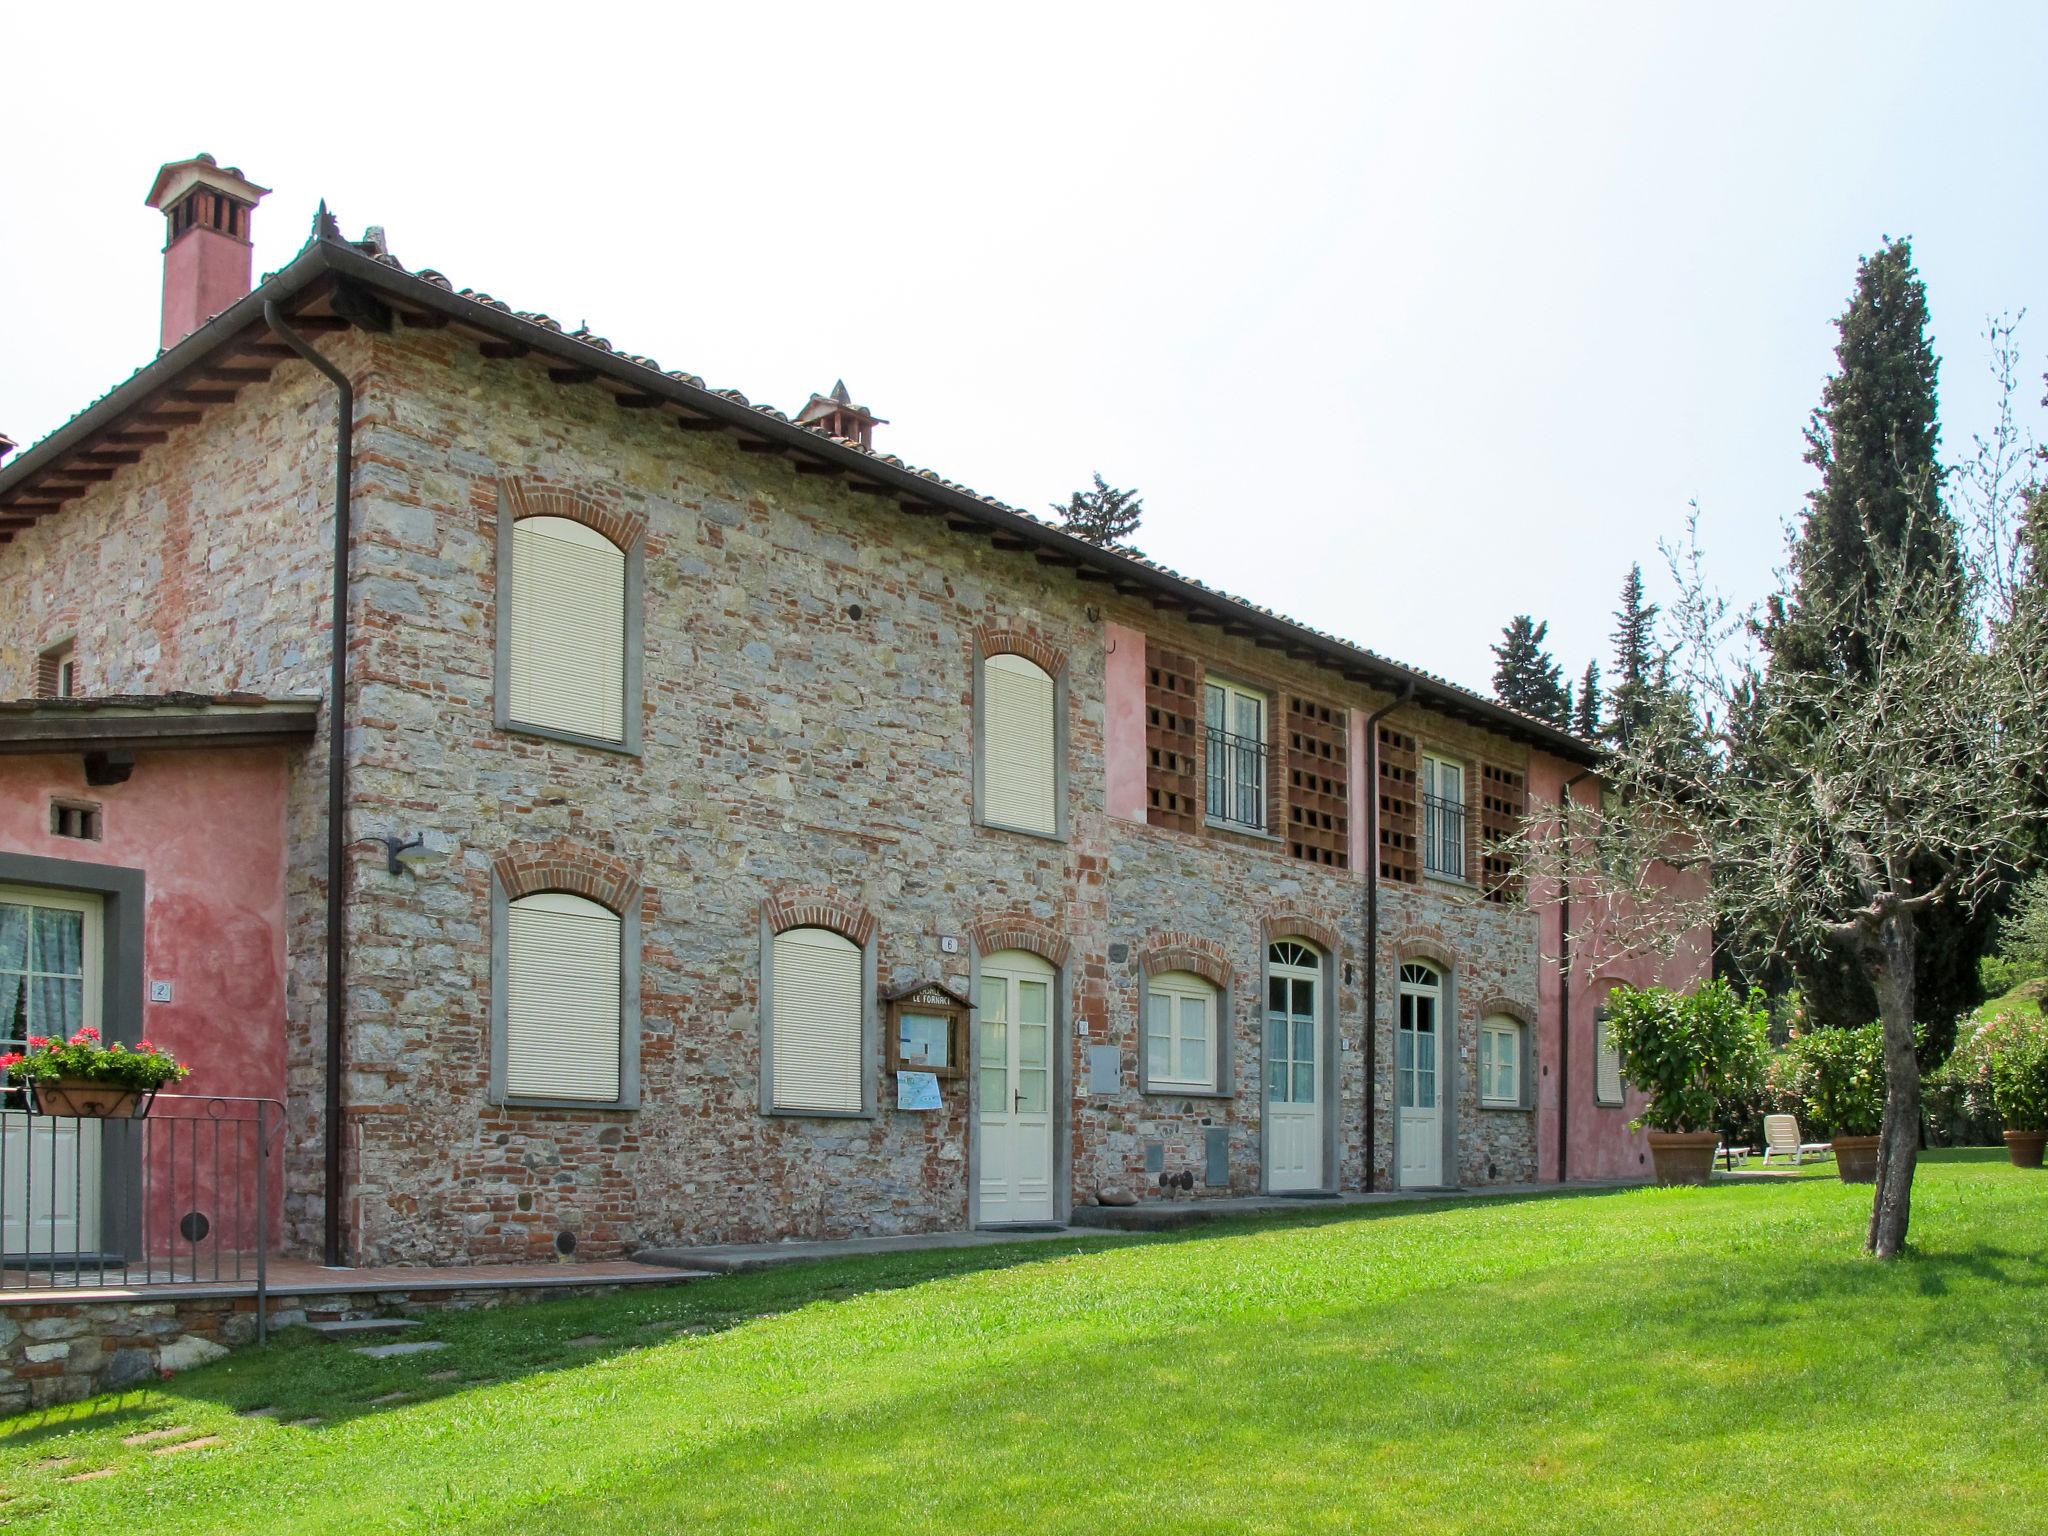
{"points": [[837, 416], [207, 209]]}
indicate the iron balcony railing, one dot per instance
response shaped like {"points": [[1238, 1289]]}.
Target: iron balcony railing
{"points": [[1443, 836], [188, 1195], [1237, 779]]}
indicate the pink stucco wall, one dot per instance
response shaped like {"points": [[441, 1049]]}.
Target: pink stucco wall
{"points": [[1123, 726], [1599, 1141], [207, 830]]}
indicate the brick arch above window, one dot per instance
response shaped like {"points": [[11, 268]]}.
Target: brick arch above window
{"points": [[1425, 944], [1285, 923], [991, 640], [532, 498], [1206, 958], [1020, 930], [785, 910], [527, 869], [1512, 1007]]}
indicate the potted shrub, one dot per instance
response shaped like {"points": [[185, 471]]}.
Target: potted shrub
{"points": [[85, 1077], [1690, 1052], [1841, 1080], [2019, 1084]]}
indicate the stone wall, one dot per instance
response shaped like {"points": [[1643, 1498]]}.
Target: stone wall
{"points": [[807, 728], [62, 1350]]}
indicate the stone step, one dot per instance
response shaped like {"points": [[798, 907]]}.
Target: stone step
{"points": [[409, 1347], [350, 1327]]}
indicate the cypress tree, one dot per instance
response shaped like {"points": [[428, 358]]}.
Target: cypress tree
{"points": [[1586, 714], [1875, 439], [1632, 700], [1524, 675]]}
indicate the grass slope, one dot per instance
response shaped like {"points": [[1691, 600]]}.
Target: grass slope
{"points": [[1714, 1360]]}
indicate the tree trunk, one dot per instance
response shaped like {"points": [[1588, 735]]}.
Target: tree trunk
{"points": [[1898, 1146]]}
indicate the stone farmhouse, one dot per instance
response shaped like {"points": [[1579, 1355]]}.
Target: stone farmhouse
{"points": [[686, 772]]}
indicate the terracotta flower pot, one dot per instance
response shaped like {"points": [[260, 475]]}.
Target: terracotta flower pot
{"points": [[1856, 1159], [2025, 1147], [1683, 1157], [88, 1099]]}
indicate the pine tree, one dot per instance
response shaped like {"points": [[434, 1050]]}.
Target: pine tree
{"points": [[1525, 677], [1104, 516], [1586, 713], [1877, 512]]}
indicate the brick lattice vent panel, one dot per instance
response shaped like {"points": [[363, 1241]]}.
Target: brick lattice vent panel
{"points": [[1173, 735], [1318, 783], [1400, 808], [1503, 794]]}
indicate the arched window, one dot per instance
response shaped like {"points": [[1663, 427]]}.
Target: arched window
{"points": [[1180, 1033], [563, 1000], [568, 663], [1608, 1091], [817, 1019], [1501, 1062], [1020, 755]]}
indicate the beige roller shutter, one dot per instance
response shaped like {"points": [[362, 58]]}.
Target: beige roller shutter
{"points": [[562, 999], [817, 1021], [568, 629], [1019, 745], [1607, 1084]]}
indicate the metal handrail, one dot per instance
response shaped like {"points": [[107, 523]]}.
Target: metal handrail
{"points": [[1443, 836], [179, 1198], [1249, 755]]}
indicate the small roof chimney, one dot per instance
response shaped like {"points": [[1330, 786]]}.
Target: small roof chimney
{"points": [[837, 416], [207, 255]]}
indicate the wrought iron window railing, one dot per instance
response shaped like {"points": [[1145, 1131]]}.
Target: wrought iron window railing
{"points": [[1237, 779], [1443, 836], [186, 1195]]}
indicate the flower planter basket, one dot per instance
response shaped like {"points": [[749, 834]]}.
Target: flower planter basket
{"points": [[2025, 1147], [1856, 1158], [1683, 1157], [89, 1099]]}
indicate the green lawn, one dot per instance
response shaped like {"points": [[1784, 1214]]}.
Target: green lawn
{"points": [[1714, 1360]]}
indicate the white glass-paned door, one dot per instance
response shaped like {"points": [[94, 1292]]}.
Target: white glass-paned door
{"points": [[1013, 1031], [49, 985], [1418, 1064], [1294, 1119]]}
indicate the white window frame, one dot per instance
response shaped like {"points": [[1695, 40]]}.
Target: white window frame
{"points": [[628, 1096], [1433, 769], [1233, 780], [632, 622], [1053, 825], [1177, 987], [1492, 1031], [868, 1034]]}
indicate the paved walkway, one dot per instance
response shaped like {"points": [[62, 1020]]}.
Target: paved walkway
{"points": [[1089, 1221], [294, 1277]]}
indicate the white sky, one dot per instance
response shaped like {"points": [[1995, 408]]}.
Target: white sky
{"points": [[1404, 320]]}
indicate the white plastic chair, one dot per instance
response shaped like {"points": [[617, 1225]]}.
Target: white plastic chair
{"points": [[1781, 1135]]}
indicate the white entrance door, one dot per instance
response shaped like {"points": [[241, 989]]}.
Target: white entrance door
{"points": [[1294, 1093], [1418, 1063], [1013, 1112], [49, 985]]}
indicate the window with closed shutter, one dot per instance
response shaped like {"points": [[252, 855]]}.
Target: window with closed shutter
{"points": [[563, 994], [816, 1026], [1020, 748], [567, 652], [1607, 1064], [1500, 1062]]}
